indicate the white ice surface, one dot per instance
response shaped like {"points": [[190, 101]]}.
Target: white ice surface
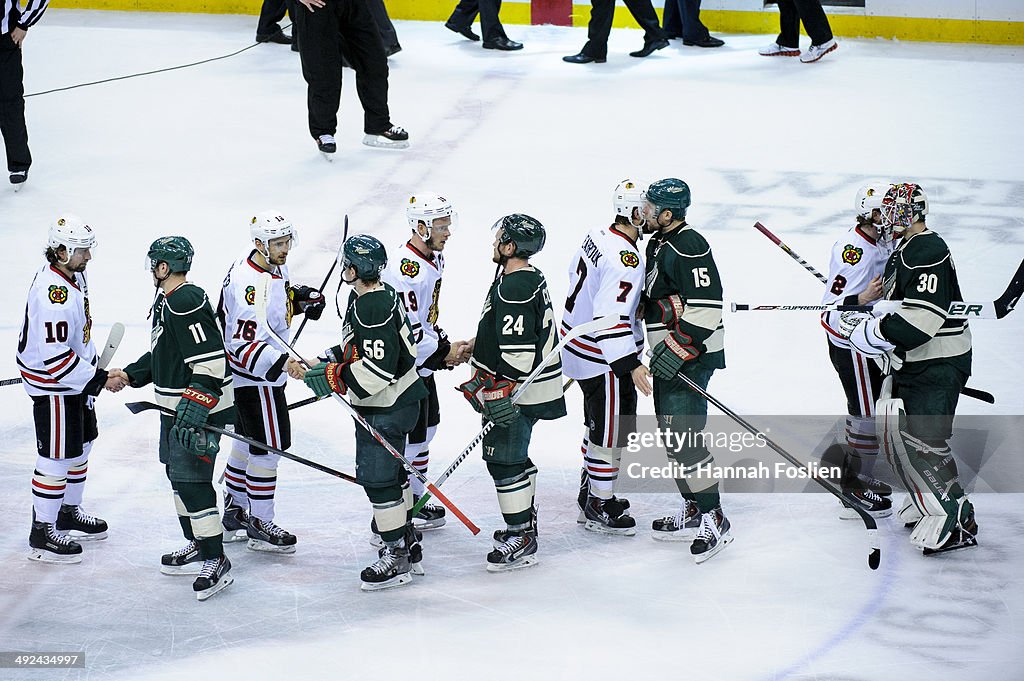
{"points": [[196, 151]]}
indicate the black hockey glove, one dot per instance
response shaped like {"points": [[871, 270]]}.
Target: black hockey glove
{"points": [[307, 300], [436, 361]]}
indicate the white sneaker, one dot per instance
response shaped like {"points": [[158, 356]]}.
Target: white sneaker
{"points": [[816, 52], [777, 50]]}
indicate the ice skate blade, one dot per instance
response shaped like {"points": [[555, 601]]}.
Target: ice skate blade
{"points": [[267, 547], [231, 536], [328, 156], [524, 562], [41, 556], [686, 535], [85, 536], [598, 528], [417, 569], [723, 541], [971, 543], [375, 142], [397, 580], [429, 524], [225, 581], [188, 569]]}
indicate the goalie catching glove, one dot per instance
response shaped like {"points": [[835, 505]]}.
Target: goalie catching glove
{"points": [[325, 378], [865, 335], [491, 397], [307, 300], [191, 414], [669, 356]]}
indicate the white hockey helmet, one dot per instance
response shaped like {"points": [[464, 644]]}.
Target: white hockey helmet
{"points": [[426, 207], [270, 225], [630, 195], [71, 232], [869, 197]]}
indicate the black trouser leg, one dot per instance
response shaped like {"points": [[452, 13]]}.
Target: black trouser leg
{"points": [[693, 28], [643, 12], [388, 34], [361, 45], [271, 13], [490, 24], [12, 106], [600, 27], [670, 21], [464, 14], [789, 24], [319, 51], [815, 21]]}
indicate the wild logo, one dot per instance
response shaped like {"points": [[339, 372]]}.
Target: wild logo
{"points": [[58, 294], [250, 295], [410, 268], [852, 255], [629, 258]]}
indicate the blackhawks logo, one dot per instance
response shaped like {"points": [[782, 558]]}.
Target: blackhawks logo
{"points": [[410, 268], [851, 255], [629, 258], [58, 294], [250, 295]]}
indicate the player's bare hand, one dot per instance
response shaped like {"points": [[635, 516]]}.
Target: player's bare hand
{"points": [[18, 35], [872, 293], [311, 4], [116, 380], [642, 380], [457, 354], [295, 369], [466, 350]]}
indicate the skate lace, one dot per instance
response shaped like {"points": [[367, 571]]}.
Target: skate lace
{"points": [[271, 528], [708, 528], [184, 551], [326, 139], [56, 537], [84, 518], [385, 563], [512, 544], [396, 130], [209, 568]]}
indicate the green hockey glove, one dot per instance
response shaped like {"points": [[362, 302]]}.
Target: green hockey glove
{"points": [[325, 378], [191, 414], [498, 405], [671, 354], [473, 388]]}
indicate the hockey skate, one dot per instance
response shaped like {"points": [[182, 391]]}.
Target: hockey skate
{"points": [[327, 146], [682, 526], [581, 498], [184, 561], [18, 179], [392, 138], [50, 546], [265, 536], [876, 505], [607, 516], [713, 535], [430, 517], [235, 521], [519, 550], [392, 568], [502, 536], [72, 521], [956, 529], [215, 575], [963, 536]]}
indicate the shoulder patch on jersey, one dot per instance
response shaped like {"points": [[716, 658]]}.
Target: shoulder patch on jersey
{"points": [[58, 295], [250, 295], [410, 268], [185, 299], [852, 254], [629, 258]]}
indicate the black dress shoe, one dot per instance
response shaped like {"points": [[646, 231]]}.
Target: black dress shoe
{"points": [[503, 44], [281, 38], [466, 32], [584, 59], [649, 48], [394, 49], [710, 41]]}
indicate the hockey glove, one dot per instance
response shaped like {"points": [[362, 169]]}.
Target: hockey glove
{"points": [[436, 361], [867, 339], [671, 354], [848, 321], [473, 389], [191, 414], [669, 310], [325, 378], [498, 405], [308, 301]]}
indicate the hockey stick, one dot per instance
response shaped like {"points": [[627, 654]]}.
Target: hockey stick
{"points": [[109, 348], [778, 242], [138, 407], [334, 263], [303, 403], [596, 325], [261, 314], [875, 556]]}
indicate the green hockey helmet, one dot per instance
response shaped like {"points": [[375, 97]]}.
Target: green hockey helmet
{"points": [[176, 251], [366, 254], [525, 232], [669, 194]]}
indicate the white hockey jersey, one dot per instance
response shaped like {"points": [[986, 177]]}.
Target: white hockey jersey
{"points": [[856, 259], [256, 358], [416, 277], [56, 354], [606, 277]]}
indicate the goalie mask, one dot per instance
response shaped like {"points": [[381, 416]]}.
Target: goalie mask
{"points": [[628, 200], [426, 207], [903, 205], [71, 232], [271, 225]]}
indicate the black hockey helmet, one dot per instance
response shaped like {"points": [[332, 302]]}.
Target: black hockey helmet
{"points": [[176, 251], [366, 254], [670, 194], [524, 231]]}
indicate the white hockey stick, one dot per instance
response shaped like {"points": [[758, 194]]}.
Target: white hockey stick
{"points": [[107, 354]]}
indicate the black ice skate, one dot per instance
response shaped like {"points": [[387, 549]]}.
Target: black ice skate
{"points": [[265, 536], [713, 535], [581, 498], [72, 521], [327, 146], [184, 561], [682, 526], [18, 179], [518, 551], [392, 138], [502, 536], [235, 521], [392, 568], [607, 516], [430, 517], [876, 505], [215, 575], [50, 546], [963, 536]]}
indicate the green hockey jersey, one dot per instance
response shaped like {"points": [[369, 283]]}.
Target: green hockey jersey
{"points": [[681, 263], [516, 331]]}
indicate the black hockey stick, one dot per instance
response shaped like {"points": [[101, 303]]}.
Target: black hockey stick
{"points": [[875, 556], [334, 263], [303, 403], [138, 407]]}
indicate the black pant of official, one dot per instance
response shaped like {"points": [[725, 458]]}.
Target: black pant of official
{"points": [[12, 106], [601, 14], [388, 34], [271, 13], [465, 13], [792, 12], [682, 20], [342, 28]]}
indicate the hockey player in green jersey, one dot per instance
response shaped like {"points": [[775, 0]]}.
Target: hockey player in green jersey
{"points": [[188, 369], [516, 331], [683, 315], [376, 365], [930, 358]]}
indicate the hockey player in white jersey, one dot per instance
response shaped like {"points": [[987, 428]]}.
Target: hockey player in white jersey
{"points": [[855, 278], [260, 365], [606, 277], [415, 271], [58, 365]]}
